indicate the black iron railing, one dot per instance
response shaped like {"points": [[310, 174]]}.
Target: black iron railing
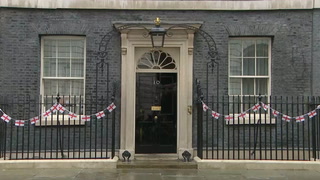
{"points": [[261, 135], [2, 143], [57, 136]]}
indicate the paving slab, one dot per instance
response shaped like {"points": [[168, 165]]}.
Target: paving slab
{"points": [[60, 173], [97, 174], [154, 174], [140, 176], [162, 164], [179, 172]]}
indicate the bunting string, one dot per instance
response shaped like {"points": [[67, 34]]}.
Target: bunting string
{"points": [[265, 107], [53, 109]]}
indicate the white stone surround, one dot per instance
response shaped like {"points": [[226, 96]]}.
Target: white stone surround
{"points": [[164, 4], [257, 164], [60, 163], [182, 42]]}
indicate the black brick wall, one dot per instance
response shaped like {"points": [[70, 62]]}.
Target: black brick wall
{"points": [[291, 32], [316, 52]]}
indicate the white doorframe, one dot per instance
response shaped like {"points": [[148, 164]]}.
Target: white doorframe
{"points": [[182, 39]]}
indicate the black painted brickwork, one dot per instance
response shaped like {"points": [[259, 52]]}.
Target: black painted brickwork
{"points": [[291, 32]]}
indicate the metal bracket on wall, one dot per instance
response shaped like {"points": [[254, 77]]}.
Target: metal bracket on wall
{"points": [[126, 156], [186, 156]]}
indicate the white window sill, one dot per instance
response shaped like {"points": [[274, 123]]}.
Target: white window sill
{"points": [[63, 119], [252, 120]]}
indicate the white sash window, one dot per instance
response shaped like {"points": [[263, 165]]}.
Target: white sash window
{"points": [[249, 69], [63, 70]]}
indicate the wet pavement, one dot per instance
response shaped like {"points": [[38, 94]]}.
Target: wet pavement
{"points": [[154, 174]]}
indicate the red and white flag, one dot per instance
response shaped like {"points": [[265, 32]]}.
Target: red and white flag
{"points": [[85, 118], [100, 114], [34, 120], [72, 116], [242, 115], [256, 107], [265, 107], [299, 118], [5, 117], [111, 107], [54, 108], [275, 113], [286, 118], [205, 107], [228, 118], [19, 123], [215, 115], [47, 113], [61, 109], [312, 114]]}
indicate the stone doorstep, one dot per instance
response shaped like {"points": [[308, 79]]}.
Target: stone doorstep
{"points": [[257, 164], [157, 164], [156, 161], [155, 157]]}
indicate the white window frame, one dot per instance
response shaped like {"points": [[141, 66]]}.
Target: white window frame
{"points": [[253, 117], [63, 118]]}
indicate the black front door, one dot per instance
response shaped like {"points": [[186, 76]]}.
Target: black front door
{"points": [[156, 113]]}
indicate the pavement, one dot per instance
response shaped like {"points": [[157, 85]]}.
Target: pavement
{"points": [[153, 174]]}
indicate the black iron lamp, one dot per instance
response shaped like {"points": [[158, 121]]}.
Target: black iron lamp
{"points": [[157, 34]]}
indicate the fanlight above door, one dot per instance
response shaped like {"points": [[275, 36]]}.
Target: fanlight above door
{"points": [[156, 59]]}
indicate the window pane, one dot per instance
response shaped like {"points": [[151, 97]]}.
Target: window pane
{"points": [[49, 67], [247, 86], [235, 67], [50, 87], [145, 63], [248, 66], [235, 105], [63, 67], [248, 48], [262, 86], [64, 87], [64, 48], [77, 68], [262, 48], [235, 86], [262, 66], [72, 103], [235, 48], [49, 48], [248, 102], [77, 48], [77, 87]]}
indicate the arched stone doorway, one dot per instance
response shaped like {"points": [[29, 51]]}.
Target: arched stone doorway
{"points": [[180, 46]]}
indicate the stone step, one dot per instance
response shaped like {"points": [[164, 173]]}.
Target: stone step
{"points": [[156, 157], [160, 164]]}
